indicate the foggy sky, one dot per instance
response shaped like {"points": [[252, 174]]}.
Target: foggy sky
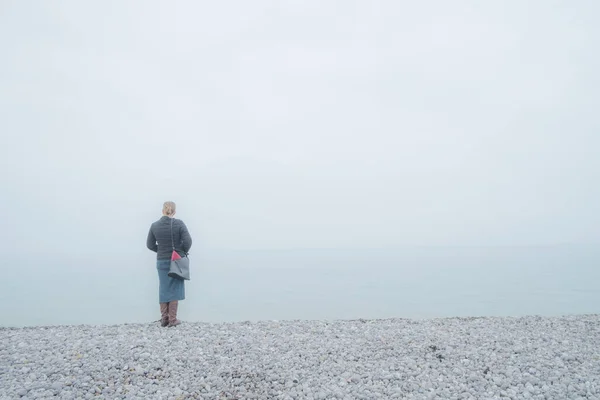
{"points": [[286, 124]]}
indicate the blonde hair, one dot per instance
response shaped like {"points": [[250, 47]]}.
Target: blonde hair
{"points": [[169, 208]]}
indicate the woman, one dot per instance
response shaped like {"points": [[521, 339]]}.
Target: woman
{"points": [[164, 235]]}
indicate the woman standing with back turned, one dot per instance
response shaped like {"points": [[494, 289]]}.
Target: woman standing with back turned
{"points": [[165, 234]]}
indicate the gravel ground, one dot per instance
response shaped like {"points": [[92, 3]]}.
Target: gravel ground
{"points": [[454, 358]]}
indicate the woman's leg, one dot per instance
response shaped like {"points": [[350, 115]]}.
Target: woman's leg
{"points": [[164, 314], [162, 268], [173, 321]]}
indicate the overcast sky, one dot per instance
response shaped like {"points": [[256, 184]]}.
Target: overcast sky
{"points": [[280, 124]]}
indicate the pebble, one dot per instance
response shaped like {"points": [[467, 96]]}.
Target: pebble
{"points": [[452, 358]]}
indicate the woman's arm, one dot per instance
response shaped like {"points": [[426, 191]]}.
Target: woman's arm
{"points": [[151, 241], [186, 239]]}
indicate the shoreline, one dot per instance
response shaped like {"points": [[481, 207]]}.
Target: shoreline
{"points": [[435, 358], [296, 320]]}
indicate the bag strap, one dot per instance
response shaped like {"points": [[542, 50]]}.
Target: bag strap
{"points": [[172, 241]]}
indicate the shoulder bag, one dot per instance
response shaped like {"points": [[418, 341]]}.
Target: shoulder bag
{"points": [[180, 266]]}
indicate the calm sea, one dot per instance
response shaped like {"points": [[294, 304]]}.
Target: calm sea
{"points": [[307, 284]]}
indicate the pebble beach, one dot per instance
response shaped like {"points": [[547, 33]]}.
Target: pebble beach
{"points": [[450, 358]]}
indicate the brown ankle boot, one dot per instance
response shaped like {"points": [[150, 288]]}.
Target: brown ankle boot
{"points": [[173, 321], [164, 314]]}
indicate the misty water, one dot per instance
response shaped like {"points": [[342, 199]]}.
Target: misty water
{"points": [[308, 284]]}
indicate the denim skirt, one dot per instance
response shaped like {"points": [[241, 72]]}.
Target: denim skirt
{"points": [[169, 289]]}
